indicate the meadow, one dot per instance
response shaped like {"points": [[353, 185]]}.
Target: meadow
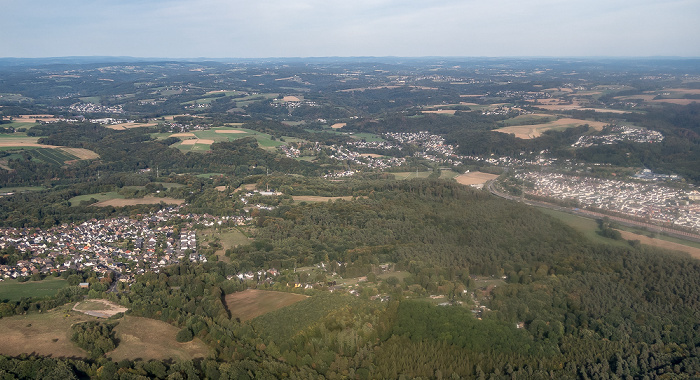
{"points": [[14, 290], [252, 303], [536, 130]]}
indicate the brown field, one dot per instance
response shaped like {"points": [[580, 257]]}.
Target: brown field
{"points": [[692, 91], [470, 96], [146, 339], [683, 102], [314, 198], [475, 178], [129, 125], [252, 303], [338, 125], [138, 201], [445, 112], [33, 118], [83, 154], [374, 155], [23, 141], [247, 187], [692, 251], [535, 130], [44, 334], [229, 131], [291, 99], [645, 97], [99, 308], [184, 134], [197, 141], [220, 188]]}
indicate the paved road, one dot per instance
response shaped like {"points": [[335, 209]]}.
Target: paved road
{"points": [[595, 215]]}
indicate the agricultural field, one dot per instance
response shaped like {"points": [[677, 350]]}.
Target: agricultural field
{"points": [[659, 243], [51, 156], [444, 174], [537, 118], [21, 141], [200, 141], [253, 303], [536, 130], [13, 290], [116, 202], [475, 178], [81, 154], [146, 339]]}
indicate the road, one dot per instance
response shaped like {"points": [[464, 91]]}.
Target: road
{"points": [[595, 215]]}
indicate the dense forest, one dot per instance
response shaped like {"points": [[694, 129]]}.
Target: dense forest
{"points": [[587, 310]]}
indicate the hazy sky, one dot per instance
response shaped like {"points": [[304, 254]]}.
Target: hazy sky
{"points": [[319, 28]]}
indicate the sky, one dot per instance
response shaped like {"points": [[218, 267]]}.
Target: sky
{"points": [[348, 28]]}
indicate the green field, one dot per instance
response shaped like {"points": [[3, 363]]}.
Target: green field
{"points": [[226, 238], [14, 290], [264, 140], [20, 189], [528, 119], [51, 156], [75, 201], [586, 226]]}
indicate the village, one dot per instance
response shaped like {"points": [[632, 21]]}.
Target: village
{"points": [[123, 245], [645, 200]]}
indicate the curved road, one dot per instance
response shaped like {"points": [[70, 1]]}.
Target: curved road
{"points": [[595, 215]]}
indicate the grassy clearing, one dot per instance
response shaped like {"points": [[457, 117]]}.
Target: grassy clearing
{"points": [[20, 189], [146, 339], [92, 305], [283, 324], [45, 334], [529, 119], [227, 238], [536, 130], [586, 226], [409, 175], [252, 303], [99, 196], [13, 290]]}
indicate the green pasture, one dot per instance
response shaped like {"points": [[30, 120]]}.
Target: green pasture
{"points": [[75, 201], [14, 290]]}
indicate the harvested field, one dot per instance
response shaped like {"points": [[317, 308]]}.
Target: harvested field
{"points": [[83, 154], [290, 98], [184, 134], [373, 155], [138, 201], [444, 112], [23, 141], [129, 125], [692, 251], [314, 198], [44, 334], [534, 131], [338, 125], [99, 308], [220, 188], [146, 339], [229, 131], [198, 141], [475, 178], [33, 118], [252, 303]]}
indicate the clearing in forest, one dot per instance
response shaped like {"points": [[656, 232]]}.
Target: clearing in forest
{"points": [[81, 153], [99, 308], [197, 141], [475, 178], [139, 201], [44, 334], [229, 131], [338, 125], [251, 303], [692, 251], [536, 130], [314, 198], [146, 339]]}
